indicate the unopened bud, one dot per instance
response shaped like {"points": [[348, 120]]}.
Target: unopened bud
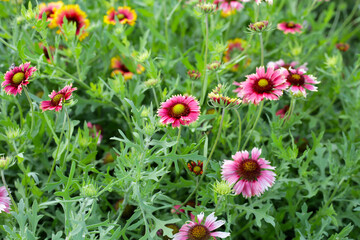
{"points": [[258, 26], [194, 75]]}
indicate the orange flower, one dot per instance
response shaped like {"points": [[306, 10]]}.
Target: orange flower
{"points": [[235, 47], [49, 9], [125, 15], [118, 66]]}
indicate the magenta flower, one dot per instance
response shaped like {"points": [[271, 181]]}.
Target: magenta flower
{"points": [[228, 5], [250, 174], [269, 85], [95, 128], [282, 112], [298, 81], [57, 99], [279, 64], [289, 27], [4, 200], [195, 230], [179, 110], [17, 77]]}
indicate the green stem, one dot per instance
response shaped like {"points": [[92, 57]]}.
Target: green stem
{"points": [[290, 111], [7, 189], [32, 109], [208, 159], [156, 100], [239, 138], [20, 112], [255, 123], [262, 49], [57, 150], [205, 60]]}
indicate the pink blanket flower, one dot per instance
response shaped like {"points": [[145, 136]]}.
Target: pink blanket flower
{"points": [[228, 5], [297, 81], [289, 27], [17, 77], [57, 99], [279, 64], [179, 110], [4, 200], [269, 85], [196, 230], [252, 175]]}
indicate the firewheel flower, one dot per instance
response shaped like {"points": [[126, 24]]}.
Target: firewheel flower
{"points": [[4, 200], [289, 27], [269, 85], [179, 110], [118, 67], [297, 81], [17, 77], [196, 230], [228, 5], [73, 14], [252, 175], [49, 9], [235, 47], [57, 99], [196, 168], [281, 64], [125, 15], [342, 46]]}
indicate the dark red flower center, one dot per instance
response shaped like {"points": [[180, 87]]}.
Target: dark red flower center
{"points": [[57, 98], [199, 232], [179, 110], [287, 66], [290, 25], [262, 85], [249, 169], [18, 78], [296, 79]]}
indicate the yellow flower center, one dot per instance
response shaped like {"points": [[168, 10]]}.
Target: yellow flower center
{"points": [[197, 169], [199, 232], [178, 109], [263, 82], [18, 77], [296, 76], [250, 166], [120, 16], [290, 25], [57, 98]]}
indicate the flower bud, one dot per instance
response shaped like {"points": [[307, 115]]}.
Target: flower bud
{"points": [[151, 82], [89, 190], [13, 133], [149, 129], [207, 8], [258, 26], [222, 188], [142, 57], [194, 74], [214, 65], [343, 46], [4, 163]]}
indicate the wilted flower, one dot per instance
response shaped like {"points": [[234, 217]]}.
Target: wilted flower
{"points": [[17, 77], [178, 110], [251, 176], [125, 15], [289, 27], [73, 14], [262, 85], [343, 46], [194, 74], [259, 26], [196, 168], [4, 200], [297, 82], [49, 9], [57, 99], [196, 230]]}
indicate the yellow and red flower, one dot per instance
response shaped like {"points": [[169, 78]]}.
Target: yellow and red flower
{"points": [[74, 14], [118, 67], [49, 9], [234, 48], [125, 15]]}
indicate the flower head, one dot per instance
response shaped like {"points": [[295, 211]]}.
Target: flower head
{"points": [[4, 200], [194, 74], [343, 46], [125, 15], [57, 99], [228, 7], [196, 168], [217, 99], [17, 77], [259, 26], [73, 14], [281, 64], [251, 175], [196, 230], [178, 110], [222, 188], [49, 9], [262, 85], [289, 27], [235, 47], [297, 81], [118, 67]]}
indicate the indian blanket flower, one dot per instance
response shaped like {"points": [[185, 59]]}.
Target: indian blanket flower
{"points": [[297, 81], [49, 9], [228, 7], [196, 168], [217, 99], [73, 14], [234, 48], [251, 175], [343, 46], [57, 99], [125, 15], [118, 67], [282, 112], [281, 64], [197, 230], [95, 128], [17, 77], [289, 27], [262, 85], [179, 110], [4, 200]]}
